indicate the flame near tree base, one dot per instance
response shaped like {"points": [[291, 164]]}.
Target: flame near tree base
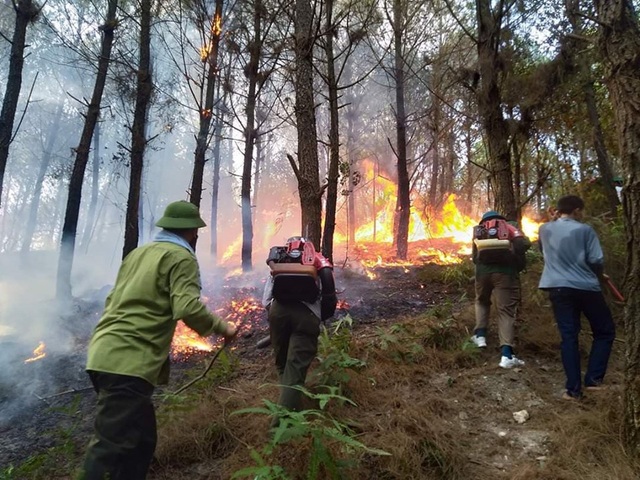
{"points": [[442, 238]]}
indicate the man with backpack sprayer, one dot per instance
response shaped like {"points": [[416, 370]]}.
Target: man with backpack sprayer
{"points": [[299, 293], [499, 255]]}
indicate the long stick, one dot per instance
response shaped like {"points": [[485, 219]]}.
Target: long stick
{"points": [[616, 293], [206, 370]]}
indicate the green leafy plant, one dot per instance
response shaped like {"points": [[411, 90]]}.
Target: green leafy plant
{"points": [[443, 335], [333, 354], [326, 436], [458, 275]]}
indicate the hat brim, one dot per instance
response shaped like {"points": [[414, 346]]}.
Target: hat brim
{"points": [[180, 223]]}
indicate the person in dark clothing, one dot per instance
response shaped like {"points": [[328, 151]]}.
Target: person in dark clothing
{"points": [[498, 262], [299, 294], [573, 268]]}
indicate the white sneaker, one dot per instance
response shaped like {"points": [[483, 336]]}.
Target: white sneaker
{"points": [[480, 342], [506, 362]]}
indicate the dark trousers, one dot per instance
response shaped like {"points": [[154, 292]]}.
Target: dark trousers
{"points": [[294, 331], [568, 304], [125, 429]]}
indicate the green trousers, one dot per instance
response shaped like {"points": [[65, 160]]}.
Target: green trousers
{"points": [[125, 429], [294, 331]]}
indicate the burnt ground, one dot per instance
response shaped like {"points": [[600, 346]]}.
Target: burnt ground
{"points": [[51, 404]]}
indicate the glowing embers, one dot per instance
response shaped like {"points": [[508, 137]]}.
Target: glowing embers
{"points": [[38, 353], [244, 313], [343, 305], [186, 342]]}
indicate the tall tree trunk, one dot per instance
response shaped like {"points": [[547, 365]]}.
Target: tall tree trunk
{"points": [[32, 219], [308, 165], [602, 156], [352, 218], [26, 11], [95, 190], [334, 138], [490, 107], [451, 163], [403, 206], [435, 148], [144, 88], [206, 110], [68, 240], [469, 180], [215, 186], [250, 137], [258, 169], [620, 48]]}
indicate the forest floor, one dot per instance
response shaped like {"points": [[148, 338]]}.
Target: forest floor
{"points": [[445, 410]]}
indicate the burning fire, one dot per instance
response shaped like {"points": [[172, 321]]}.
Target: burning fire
{"points": [[186, 341], [38, 353], [216, 25], [435, 236], [216, 29], [240, 313]]}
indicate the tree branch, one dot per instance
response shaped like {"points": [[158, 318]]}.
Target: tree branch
{"points": [[6, 38], [479, 166], [459, 22], [294, 166], [25, 108]]}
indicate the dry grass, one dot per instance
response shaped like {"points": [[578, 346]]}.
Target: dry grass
{"points": [[413, 399]]}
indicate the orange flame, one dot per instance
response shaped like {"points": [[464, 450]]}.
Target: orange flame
{"points": [[38, 353], [441, 236], [186, 341], [238, 312], [204, 53], [216, 25], [216, 29]]}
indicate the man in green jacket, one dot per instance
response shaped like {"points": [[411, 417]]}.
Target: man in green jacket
{"points": [[157, 285]]}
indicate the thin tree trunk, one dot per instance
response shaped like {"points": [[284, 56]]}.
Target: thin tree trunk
{"points": [[249, 138], [602, 157], [206, 110], [307, 171], [26, 11], [334, 138], [404, 202], [258, 169], [620, 48], [32, 219], [351, 191], [215, 186], [68, 241], [144, 88], [95, 190], [435, 157]]}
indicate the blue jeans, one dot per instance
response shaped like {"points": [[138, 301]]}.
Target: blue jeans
{"points": [[568, 304]]}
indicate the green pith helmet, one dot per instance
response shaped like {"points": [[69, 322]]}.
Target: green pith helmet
{"points": [[489, 215], [181, 215]]}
